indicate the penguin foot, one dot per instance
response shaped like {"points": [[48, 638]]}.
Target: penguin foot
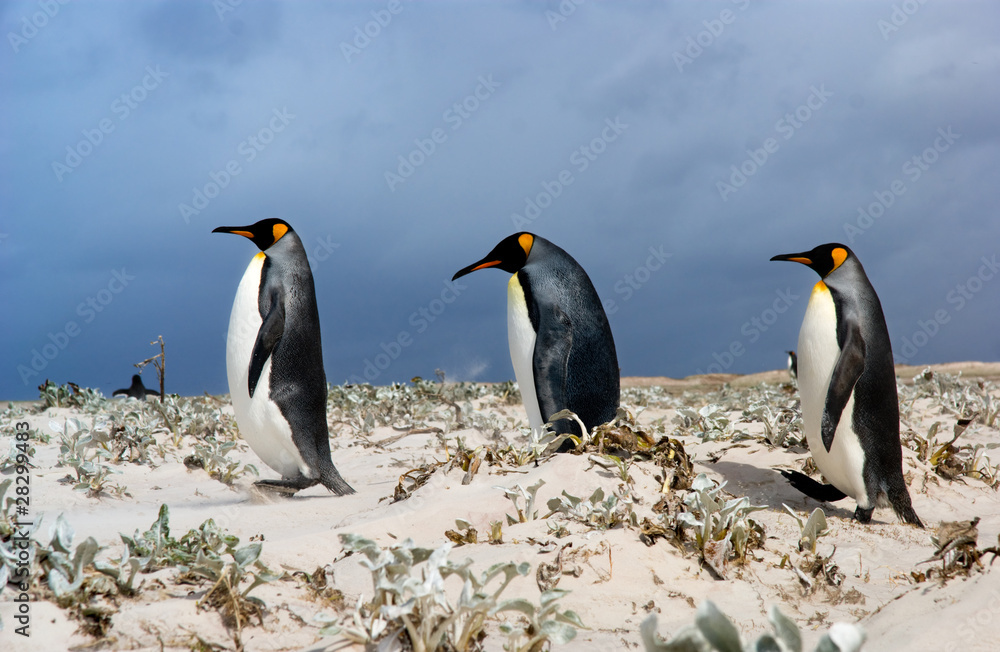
{"points": [[864, 515], [286, 486], [825, 493]]}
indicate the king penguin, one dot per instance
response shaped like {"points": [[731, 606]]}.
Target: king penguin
{"points": [[136, 390], [274, 361], [847, 385], [560, 340]]}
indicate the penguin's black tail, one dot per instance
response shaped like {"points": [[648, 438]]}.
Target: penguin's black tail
{"points": [[900, 501], [330, 478]]}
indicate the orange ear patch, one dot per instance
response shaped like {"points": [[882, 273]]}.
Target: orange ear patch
{"points": [[839, 256], [279, 230], [526, 240]]}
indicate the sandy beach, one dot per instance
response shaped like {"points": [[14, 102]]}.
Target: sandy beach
{"points": [[423, 457]]}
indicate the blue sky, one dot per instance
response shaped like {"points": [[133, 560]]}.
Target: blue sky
{"points": [[671, 148]]}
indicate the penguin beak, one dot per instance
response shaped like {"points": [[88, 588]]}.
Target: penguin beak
{"points": [[795, 258], [237, 230], [475, 267]]}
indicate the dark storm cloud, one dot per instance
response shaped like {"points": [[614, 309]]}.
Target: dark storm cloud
{"points": [[396, 173]]}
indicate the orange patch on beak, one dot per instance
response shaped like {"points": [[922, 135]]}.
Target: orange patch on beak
{"points": [[492, 263]]}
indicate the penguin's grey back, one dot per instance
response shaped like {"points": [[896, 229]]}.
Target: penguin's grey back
{"points": [[592, 384]]}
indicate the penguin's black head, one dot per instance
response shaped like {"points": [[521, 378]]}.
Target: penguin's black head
{"points": [[510, 255], [824, 259], [264, 234]]}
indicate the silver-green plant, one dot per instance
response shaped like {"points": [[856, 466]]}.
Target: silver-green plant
{"points": [[211, 455], [598, 511], [518, 493], [85, 451], [811, 529], [413, 600], [10, 453], [778, 424], [722, 529], [548, 441], [620, 465], [714, 632], [8, 510], [710, 422], [544, 624], [65, 566]]}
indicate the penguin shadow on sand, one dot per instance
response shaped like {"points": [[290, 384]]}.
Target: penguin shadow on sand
{"points": [[766, 486]]}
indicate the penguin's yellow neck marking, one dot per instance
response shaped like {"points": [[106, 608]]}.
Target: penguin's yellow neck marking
{"points": [[260, 255], [839, 256], [820, 287], [526, 240]]}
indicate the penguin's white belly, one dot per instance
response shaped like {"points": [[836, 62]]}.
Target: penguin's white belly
{"points": [[818, 353], [260, 420], [521, 338]]}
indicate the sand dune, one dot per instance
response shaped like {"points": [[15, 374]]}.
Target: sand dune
{"points": [[615, 580]]}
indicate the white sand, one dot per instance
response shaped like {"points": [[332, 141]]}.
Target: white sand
{"points": [[621, 578]]}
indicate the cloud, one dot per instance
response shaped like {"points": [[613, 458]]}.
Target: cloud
{"points": [[655, 185]]}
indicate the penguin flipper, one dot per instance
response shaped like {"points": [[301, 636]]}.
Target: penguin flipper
{"points": [[549, 363], [271, 330], [849, 366], [153, 392], [825, 493]]}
